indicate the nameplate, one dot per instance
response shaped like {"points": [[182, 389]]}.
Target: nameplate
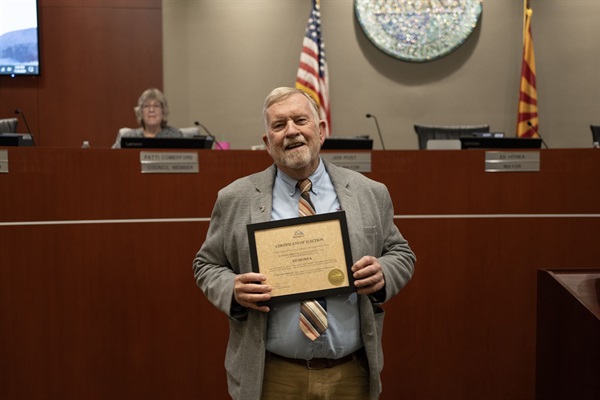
{"points": [[3, 161], [359, 162], [156, 162], [512, 161]]}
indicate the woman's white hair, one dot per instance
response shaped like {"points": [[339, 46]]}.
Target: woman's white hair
{"points": [[154, 94]]}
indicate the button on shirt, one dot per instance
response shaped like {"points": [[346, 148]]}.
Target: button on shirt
{"points": [[284, 337]]}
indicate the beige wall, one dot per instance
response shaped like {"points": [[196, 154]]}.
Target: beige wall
{"points": [[222, 57]]}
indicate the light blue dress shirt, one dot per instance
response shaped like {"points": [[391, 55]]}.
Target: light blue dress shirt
{"points": [[284, 337]]}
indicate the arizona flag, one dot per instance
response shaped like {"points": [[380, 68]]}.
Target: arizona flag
{"points": [[528, 110], [312, 76]]}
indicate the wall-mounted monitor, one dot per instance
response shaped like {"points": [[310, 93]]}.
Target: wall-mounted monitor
{"points": [[19, 38]]}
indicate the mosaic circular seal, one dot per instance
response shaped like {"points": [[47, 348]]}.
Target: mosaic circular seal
{"points": [[418, 30], [336, 277]]}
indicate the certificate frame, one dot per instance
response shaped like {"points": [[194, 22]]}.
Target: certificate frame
{"points": [[303, 257]]}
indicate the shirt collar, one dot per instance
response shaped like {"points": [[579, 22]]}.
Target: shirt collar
{"points": [[315, 178]]}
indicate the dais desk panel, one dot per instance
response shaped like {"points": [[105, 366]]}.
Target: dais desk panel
{"points": [[97, 297]]}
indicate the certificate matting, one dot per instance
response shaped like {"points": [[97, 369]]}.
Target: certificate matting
{"points": [[304, 257]]}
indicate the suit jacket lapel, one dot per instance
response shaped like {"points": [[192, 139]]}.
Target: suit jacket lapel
{"points": [[262, 199], [350, 204]]}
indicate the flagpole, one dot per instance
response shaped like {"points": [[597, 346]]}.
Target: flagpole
{"points": [[525, 7]]}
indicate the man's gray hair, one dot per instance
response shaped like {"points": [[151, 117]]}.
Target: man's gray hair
{"points": [[280, 94]]}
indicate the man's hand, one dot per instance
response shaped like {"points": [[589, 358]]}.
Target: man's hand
{"points": [[248, 290], [368, 275]]}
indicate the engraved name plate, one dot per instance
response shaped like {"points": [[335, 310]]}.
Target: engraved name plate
{"points": [[156, 162], [360, 162], [512, 161]]}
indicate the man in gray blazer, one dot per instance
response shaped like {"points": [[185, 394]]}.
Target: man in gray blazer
{"points": [[268, 356]]}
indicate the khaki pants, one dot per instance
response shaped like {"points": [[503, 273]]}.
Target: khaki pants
{"points": [[284, 380]]}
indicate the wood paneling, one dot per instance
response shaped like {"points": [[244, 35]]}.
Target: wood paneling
{"points": [[109, 309], [96, 58]]}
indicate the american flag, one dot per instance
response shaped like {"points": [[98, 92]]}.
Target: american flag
{"points": [[312, 76]]}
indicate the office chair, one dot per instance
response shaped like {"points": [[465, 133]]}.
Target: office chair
{"points": [[190, 132], [8, 125], [427, 132], [595, 133]]}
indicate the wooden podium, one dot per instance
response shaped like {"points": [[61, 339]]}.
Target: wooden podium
{"points": [[568, 335]]}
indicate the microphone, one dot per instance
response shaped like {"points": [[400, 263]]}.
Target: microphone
{"points": [[209, 134], [17, 112], [378, 130], [536, 131]]}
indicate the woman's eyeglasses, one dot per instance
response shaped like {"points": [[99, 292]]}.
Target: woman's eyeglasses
{"points": [[154, 105]]}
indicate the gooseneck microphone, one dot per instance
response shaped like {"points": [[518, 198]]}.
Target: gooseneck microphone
{"points": [[378, 130], [536, 131], [17, 112], [209, 134]]}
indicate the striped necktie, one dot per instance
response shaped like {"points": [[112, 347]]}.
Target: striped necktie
{"points": [[313, 313]]}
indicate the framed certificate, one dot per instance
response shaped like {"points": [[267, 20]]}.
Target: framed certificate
{"points": [[304, 257]]}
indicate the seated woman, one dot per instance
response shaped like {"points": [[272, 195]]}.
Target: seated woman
{"points": [[151, 112]]}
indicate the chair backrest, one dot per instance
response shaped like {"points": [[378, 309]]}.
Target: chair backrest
{"points": [[8, 125], [427, 132], [595, 133], [122, 132], [190, 132]]}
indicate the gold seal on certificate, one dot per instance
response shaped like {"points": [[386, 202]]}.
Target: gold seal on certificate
{"points": [[336, 277], [304, 257]]}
